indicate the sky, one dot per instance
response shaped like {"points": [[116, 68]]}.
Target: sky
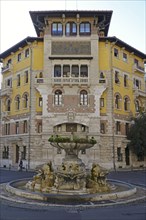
{"points": [[128, 21]]}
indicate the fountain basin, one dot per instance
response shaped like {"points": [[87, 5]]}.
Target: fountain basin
{"points": [[121, 190]]}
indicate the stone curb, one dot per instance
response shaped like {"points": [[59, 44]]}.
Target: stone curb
{"points": [[79, 206]]}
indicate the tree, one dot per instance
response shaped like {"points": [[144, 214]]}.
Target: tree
{"points": [[137, 136]]}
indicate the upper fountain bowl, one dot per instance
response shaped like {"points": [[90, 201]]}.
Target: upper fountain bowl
{"points": [[72, 144]]}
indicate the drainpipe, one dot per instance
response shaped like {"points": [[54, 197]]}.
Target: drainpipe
{"points": [[30, 106], [113, 121]]}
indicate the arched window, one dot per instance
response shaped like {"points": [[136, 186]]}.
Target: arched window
{"points": [[83, 97], [117, 101], [126, 103], [25, 100], [17, 100], [58, 97], [71, 29]]}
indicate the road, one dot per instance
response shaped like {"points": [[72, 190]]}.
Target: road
{"points": [[135, 211]]}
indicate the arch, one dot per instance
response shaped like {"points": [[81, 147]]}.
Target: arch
{"points": [[25, 100], [118, 99], [17, 102], [8, 105], [137, 105], [126, 103]]}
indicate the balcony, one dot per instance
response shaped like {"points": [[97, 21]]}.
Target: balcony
{"points": [[5, 115], [6, 91], [139, 92], [70, 80], [7, 68], [138, 68], [63, 81]]}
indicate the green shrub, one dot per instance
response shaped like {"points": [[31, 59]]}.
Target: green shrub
{"points": [[60, 139]]}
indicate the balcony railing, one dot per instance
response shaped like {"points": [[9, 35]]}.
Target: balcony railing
{"points": [[6, 68], [5, 114], [139, 68], [138, 91], [64, 80], [70, 80], [6, 91]]}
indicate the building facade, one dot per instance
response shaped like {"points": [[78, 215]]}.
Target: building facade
{"points": [[72, 79]]}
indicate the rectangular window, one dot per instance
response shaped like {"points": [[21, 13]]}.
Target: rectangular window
{"points": [[118, 127], [102, 128], [119, 154], [125, 80], [71, 29], [84, 71], [116, 52], [57, 29], [23, 154], [59, 128], [39, 128], [126, 128], [136, 62], [9, 83], [58, 99], [9, 62], [27, 53], [25, 126], [117, 77], [83, 151], [75, 71], [57, 71], [26, 76], [66, 71], [6, 152], [17, 127], [19, 57], [124, 57], [71, 127], [7, 129], [83, 128], [85, 28], [40, 101], [101, 102], [18, 80]]}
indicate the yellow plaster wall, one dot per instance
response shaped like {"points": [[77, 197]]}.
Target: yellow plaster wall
{"points": [[35, 60]]}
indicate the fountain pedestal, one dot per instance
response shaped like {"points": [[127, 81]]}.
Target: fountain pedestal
{"points": [[71, 177]]}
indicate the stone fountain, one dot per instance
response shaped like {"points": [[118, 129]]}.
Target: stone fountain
{"points": [[71, 177], [70, 183]]}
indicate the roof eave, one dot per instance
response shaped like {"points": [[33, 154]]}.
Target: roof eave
{"points": [[121, 44], [21, 44]]}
